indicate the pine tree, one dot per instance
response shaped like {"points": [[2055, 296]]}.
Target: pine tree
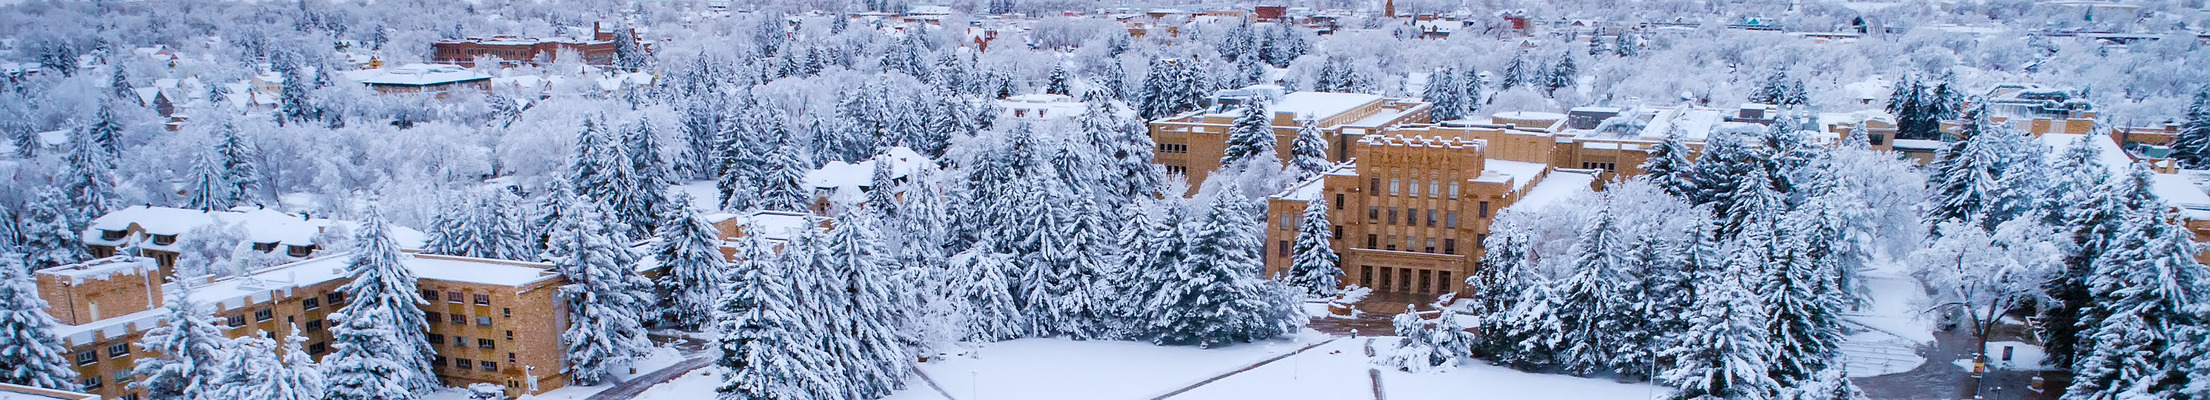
{"points": [[238, 168], [1561, 74], [188, 348], [1314, 266], [1308, 154], [1216, 300], [1972, 176], [1804, 322], [1251, 135], [879, 312], [648, 200], [979, 284], [106, 131], [1669, 168], [2191, 148], [784, 187], [2145, 287], [1057, 82], [207, 192], [250, 360], [293, 377], [1587, 303], [382, 352], [51, 231], [688, 247], [2086, 207], [1516, 73], [766, 345], [1497, 286], [1446, 97], [1724, 356], [30, 354], [1133, 174], [1150, 246], [605, 296]]}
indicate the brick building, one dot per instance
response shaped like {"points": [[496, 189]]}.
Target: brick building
{"points": [[490, 321], [599, 50], [1192, 143], [157, 231]]}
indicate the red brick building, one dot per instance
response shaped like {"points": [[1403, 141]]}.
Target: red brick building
{"points": [[532, 51]]}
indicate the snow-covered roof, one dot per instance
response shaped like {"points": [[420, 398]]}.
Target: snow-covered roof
{"points": [[839, 175], [416, 75], [267, 284], [1321, 105], [2181, 191], [101, 269], [2113, 158], [1918, 144], [259, 225], [1872, 88], [1518, 173], [778, 225], [1559, 185]]}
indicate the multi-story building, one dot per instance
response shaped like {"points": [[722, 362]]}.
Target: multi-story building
{"points": [[156, 232], [1192, 143], [435, 79], [490, 321], [599, 50], [1410, 212]]}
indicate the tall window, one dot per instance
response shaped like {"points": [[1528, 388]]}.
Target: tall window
{"points": [[1415, 188], [1284, 248], [1434, 189], [1450, 220], [1393, 186], [1338, 201], [1392, 215], [1373, 186], [1450, 246], [1373, 214], [1431, 218], [1373, 241], [1453, 189], [1484, 210]]}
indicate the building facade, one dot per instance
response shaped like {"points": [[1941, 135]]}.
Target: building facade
{"points": [[1192, 143], [490, 321]]}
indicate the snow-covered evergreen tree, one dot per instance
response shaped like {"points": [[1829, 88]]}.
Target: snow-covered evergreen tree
{"points": [[50, 231], [1150, 246], [1560, 75], [1517, 72], [30, 354], [1497, 286], [382, 352], [1251, 135], [783, 188], [1057, 82], [188, 352], [207, 192], [871, 340], [240, 171], [2145, 341], [1217, 300], [249, 360], [1804, 322], [1446, 97], [646, 203], [1309, 153], [2089, 210], [1724, 356], [606, 298], [689, 250], [1587, 304], [2191, 148], [1669, 168], [1313, 267], [979, 284], [766, 343], [1427, 344], [292, 377]]}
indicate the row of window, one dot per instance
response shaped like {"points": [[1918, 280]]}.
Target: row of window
{"points": [[1401, 279], [1450, 246], [462, 341], [265, 314], [1170, 148], [462, 319], [1435, 188], [1412, 216], [463, 363], [455, 297], [114, 351]]}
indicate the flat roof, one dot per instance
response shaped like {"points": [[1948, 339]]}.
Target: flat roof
{"points": [[1321, 105]]}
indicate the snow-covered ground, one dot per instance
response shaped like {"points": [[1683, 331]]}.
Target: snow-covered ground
{"points": [[1896, 325], [1061, 369], [1339, 370], [660, 357]]}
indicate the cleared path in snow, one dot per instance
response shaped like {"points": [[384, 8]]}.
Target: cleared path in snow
{"points": [[1245, 368]]}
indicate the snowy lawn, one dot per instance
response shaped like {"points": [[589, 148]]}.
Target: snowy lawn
{"points": [[660, 357], [1063, 369], [1897, 327], [1060, 369]]}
